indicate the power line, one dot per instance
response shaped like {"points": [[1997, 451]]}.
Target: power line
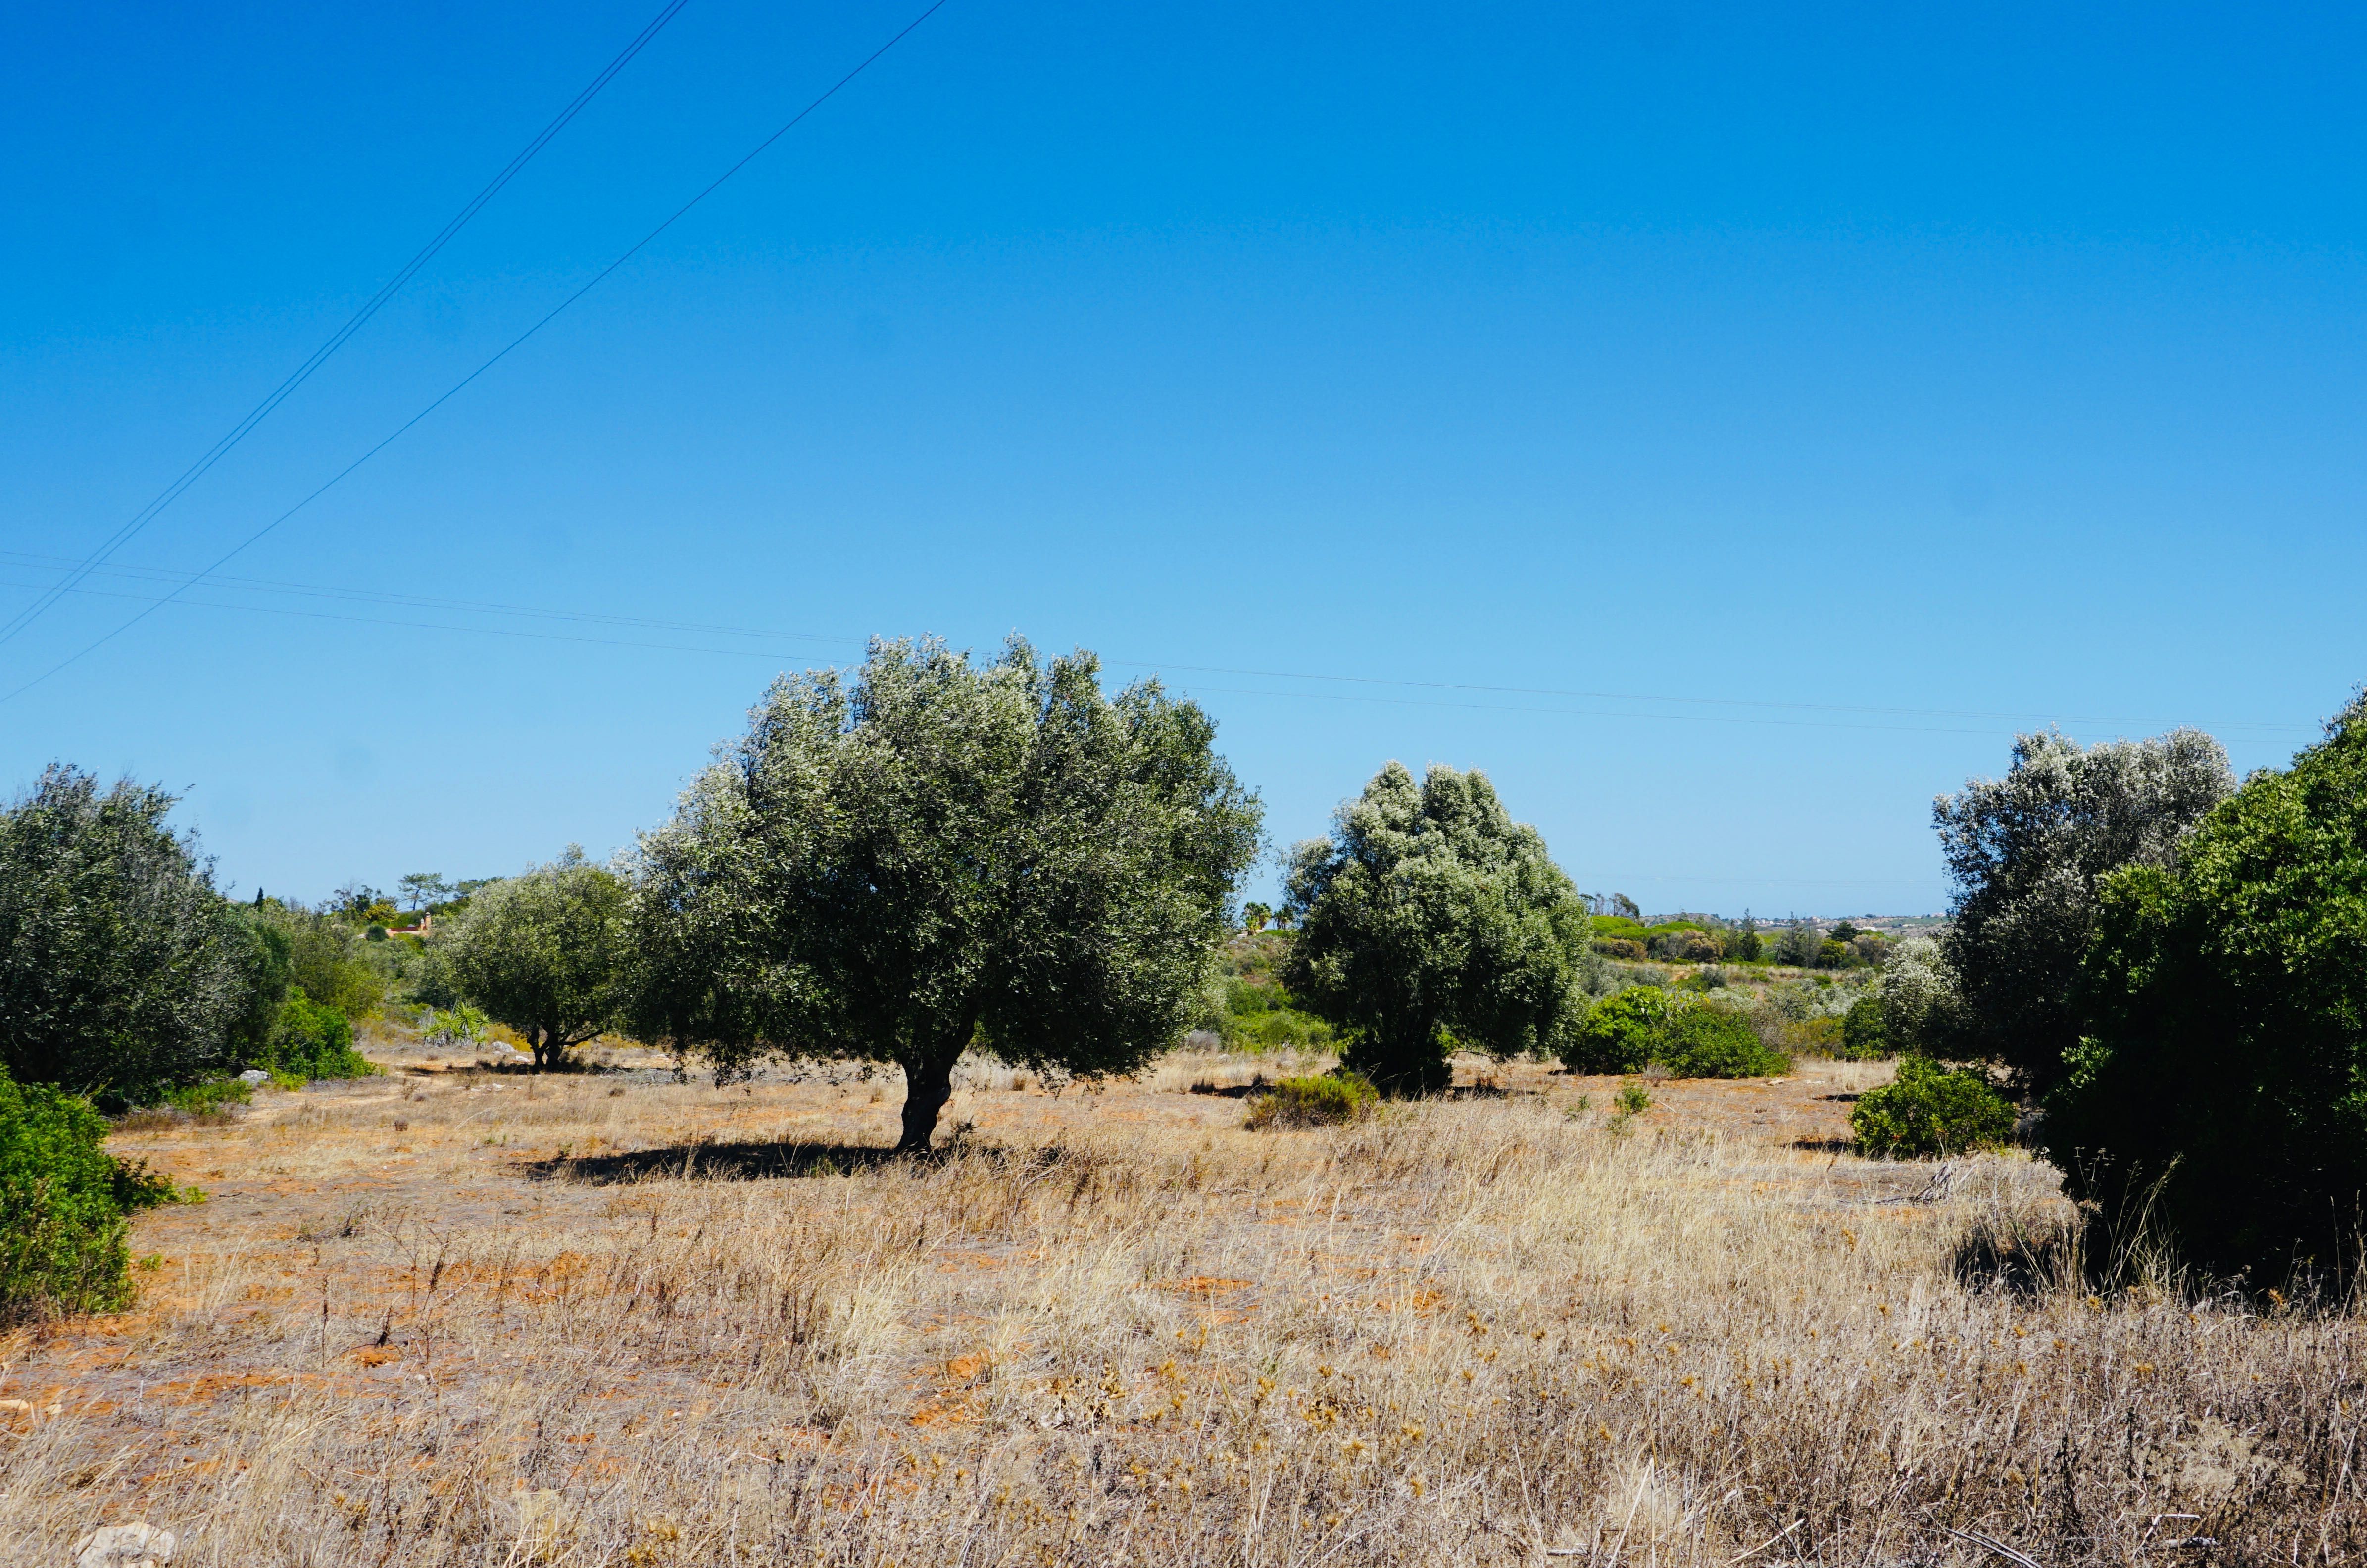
{"points": [[412, 601], [450, 392], [337, 339], [258, 585]]}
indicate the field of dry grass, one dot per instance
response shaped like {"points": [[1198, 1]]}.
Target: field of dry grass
{"points": [[450, 1316]]}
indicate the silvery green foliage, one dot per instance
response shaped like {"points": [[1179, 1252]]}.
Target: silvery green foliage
{"points": [[1428, 911], [544, 953], [940, 851], [2024, 852], [122, 973], [1921, 1005]]}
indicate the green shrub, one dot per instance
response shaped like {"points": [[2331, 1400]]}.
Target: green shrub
{"points": [[315, 1041], [1619, 1034], [2221, 1013], [1702, 1041], [1634, 1099], [1865, 1034], [202, 1099], [1321, 1101], [1259, 1017], [1931, 1109], [62, 1198], [1819, 1034]]}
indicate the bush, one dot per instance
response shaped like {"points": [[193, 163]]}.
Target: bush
{"points": [[1703, 1042], [1618, 1034], [1931, 1109], [62, 1198], [315, 1041], [1818, 1035], [1865, 1035], [207, 1098], [2222, 1010], [1259, 1017], [327, 958], [1687, 947], [1643, 1025], [1322, 1101]]}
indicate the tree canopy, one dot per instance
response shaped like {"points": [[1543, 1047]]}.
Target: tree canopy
{"points": [[544, 953], [940, 852], [1430, 910], [2026, 853], [2222, 1082], [121, 971]]}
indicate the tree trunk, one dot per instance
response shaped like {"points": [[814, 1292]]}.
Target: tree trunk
{"points": [[1403, 1065], [928, 1084]]}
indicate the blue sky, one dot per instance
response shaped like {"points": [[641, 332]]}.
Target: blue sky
{"points": [[1724, 425]]}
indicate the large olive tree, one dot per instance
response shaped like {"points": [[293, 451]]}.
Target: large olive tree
{"points": [[544, 953], [1430, 912], [2026, 853], [121, 972], [942, 852]]}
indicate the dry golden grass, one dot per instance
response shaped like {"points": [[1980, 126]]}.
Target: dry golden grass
{"points": [[484, 1319]]}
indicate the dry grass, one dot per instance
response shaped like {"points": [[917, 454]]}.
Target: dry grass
{"points": [[485, 1319]]}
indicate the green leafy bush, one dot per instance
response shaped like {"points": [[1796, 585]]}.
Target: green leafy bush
{"points": [[1619, 1034], [315, 1041], [1866, 1034], [2222, 1010], [1702, 1041], [62, 1198], [1931, 1109], [204, 1099], [1320, 1100], [1259, 1017]]}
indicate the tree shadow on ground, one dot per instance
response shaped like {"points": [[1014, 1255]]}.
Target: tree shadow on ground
{"points": [[1825, 1145], [718, 1162]]}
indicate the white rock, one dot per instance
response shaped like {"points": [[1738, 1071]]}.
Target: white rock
{"points": [[255, 1078], [125, 1546]]}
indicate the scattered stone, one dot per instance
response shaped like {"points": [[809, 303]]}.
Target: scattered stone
{"points": [[125, 1546]]}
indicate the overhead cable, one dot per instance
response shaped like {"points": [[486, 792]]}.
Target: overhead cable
{"points": [[337, 339], [454, 390]]}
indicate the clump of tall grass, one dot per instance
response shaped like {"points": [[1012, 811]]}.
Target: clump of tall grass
{"points": [[1322, 1100]]}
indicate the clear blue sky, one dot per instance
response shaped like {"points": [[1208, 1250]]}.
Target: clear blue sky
{"points": [[1777, 365]]}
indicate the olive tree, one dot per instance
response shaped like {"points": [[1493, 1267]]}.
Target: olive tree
{"points": [[2026, 853], [940, 852], [122, 973], [544, 953], [1429, 912]]}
